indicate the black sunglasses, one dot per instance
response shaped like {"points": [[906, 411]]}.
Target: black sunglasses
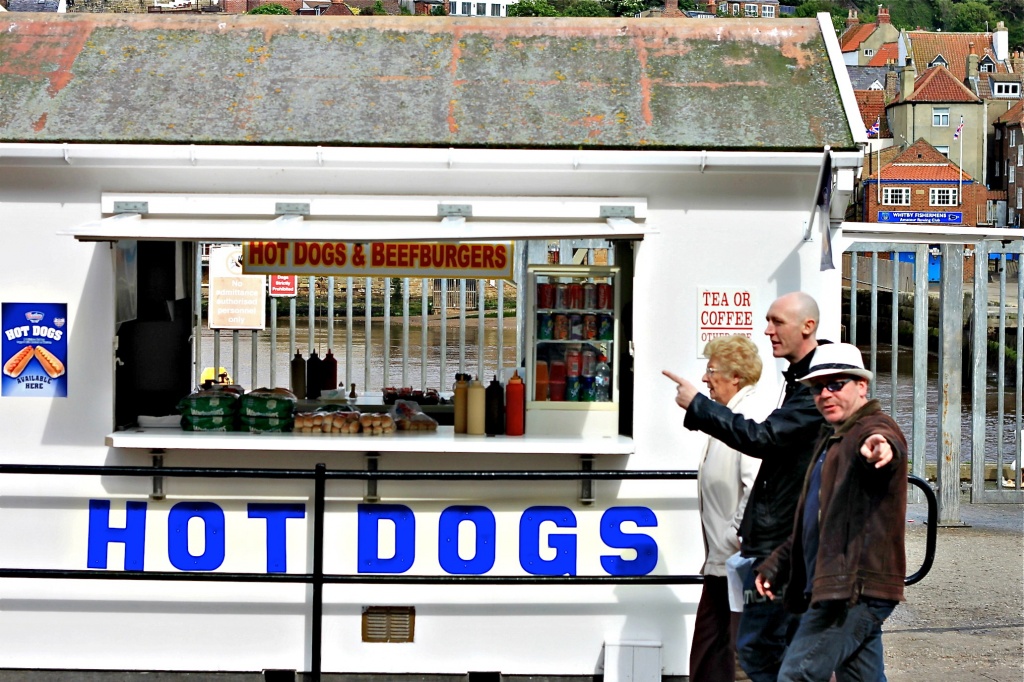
{"points": [[833, 386]]}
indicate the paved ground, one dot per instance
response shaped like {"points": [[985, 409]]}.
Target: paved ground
{"points": [[965, 620]]}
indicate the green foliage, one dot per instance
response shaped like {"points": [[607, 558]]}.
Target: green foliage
{"points": [[971, 16], [404, 11], [532, 8], [438, 11], [586, 8], [270, 8], [811, 9]]}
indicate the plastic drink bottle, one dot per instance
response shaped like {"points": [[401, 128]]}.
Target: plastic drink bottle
{"points": [[602, 380]]}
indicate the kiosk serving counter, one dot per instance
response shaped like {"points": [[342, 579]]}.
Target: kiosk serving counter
{"points": [[114, 178]]}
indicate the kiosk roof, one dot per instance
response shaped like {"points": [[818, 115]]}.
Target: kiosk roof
{"points": [[729, 84]]}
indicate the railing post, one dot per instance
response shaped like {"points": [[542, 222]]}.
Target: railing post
{"points": [[316, 636], [951, 344], [921, 306], [979, 367]]}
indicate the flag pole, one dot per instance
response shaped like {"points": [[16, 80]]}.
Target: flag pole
{"points": [[960, 191]]}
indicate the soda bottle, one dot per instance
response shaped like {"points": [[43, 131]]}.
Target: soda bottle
{"points": [[602, 380]]}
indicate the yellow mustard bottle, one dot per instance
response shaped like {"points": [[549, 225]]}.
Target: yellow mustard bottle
{"points": [[476, 408]]}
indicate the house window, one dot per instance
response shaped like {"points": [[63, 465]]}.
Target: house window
{"points": [[750, 10], [736, 10], [942, 149], [998, 168], [768, 11], [481, 9], [942, 196], [466, 8], [999, 133], [868, 52], [940, 117], [1020, 155], [938, 61], [985, 68], [723, 7], [1011, 174], [1019, 192], [1013, 137], [495, 10], [1006, 89], [896, 196]]}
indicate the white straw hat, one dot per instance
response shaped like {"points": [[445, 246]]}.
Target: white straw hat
{"points": [[837, 358]]}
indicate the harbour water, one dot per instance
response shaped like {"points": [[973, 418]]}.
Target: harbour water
{"points": [[370, 377]]}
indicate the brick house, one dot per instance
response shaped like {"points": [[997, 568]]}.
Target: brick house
{"points": [[1008, 161], [764, 9], [868, 44], [922, 185]]}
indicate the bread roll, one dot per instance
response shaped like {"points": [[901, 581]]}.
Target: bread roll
{"points": [[51, 365], [18, 362]]}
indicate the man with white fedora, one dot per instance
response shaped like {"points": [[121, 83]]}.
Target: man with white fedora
{"points": [[844, 564]]}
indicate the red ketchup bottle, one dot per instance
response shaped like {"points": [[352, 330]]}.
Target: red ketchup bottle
{"points": [[515, 406]]}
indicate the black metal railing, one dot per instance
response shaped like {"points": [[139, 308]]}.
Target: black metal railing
{"points": [[317, 579]]}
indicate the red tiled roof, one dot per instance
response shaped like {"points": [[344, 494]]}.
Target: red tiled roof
{"points": [[886, 52], [856, 35], [1014, 114], [937, 84], [872, 107], [954, 48], [921, 161]]}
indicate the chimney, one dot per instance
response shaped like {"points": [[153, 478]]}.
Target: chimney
{"points": [[1017, 62], [672, 9], [851, 18], [1001, 42], [972, 63], [883, 15], [892, 81], [907, 78]]}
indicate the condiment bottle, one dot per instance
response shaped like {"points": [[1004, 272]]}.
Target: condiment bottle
{"points": [[515, 406], [352, 393], [461, 390], [494, 411], [314, 375], [476, 407], [329, 372], [298, 368]]}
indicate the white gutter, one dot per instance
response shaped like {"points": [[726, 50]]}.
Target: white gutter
{"points": [[927, 234], [392, 158], [842, 76]]}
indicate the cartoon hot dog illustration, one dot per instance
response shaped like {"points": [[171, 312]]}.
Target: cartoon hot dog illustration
{"points": [[51, 365], [18, 362]]}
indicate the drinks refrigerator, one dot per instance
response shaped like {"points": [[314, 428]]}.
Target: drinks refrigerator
{"points": [[573, 319]]}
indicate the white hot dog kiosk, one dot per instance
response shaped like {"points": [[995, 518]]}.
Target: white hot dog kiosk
{"points": [[675, 166]]}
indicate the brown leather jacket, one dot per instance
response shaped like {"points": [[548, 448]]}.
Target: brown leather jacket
{"points": [[862, 520]]}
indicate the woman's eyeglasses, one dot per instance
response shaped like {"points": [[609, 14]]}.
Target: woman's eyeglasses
{"points": [[833, 386]]}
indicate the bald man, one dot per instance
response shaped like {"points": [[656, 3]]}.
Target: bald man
{"points": [[784, 442]]}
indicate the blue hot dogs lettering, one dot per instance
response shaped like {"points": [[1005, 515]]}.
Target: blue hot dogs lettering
{"points": [[541, 529]]}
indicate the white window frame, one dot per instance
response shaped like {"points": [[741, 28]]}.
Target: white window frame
{"points": [[868, 52], [895, 196], [942, 196], [999, 133], [768, 11], [495, 9], [736, 9], [467, 8], [1013, 137], [940, 117], [942, 149], [1020, 195], [1020, 155], [749, 9], [1011, 174], [1006, 89], [723, 7], [481, 9]]}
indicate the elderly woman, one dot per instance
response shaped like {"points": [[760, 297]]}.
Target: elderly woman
{"points": [[725, 478]]}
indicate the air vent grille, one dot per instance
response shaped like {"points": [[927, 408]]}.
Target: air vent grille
{"points": [[389, 623]]}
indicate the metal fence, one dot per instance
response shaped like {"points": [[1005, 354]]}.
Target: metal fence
{"points": [[933, 334]]}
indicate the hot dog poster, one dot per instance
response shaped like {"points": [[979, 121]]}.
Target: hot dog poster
{"points": [[34, 350]]}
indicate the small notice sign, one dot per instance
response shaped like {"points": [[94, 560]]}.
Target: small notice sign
{"points": [[237, 301], [721, 312], [284, 285]]}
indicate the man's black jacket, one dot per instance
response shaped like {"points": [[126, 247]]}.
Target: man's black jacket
{"points": [[784, 442]]}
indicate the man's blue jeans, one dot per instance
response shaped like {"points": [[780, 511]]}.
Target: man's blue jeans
{"points": [[834, 636], [765, 630]]}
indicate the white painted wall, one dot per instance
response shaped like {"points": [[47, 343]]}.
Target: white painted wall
{"points": [[730, 227]]}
